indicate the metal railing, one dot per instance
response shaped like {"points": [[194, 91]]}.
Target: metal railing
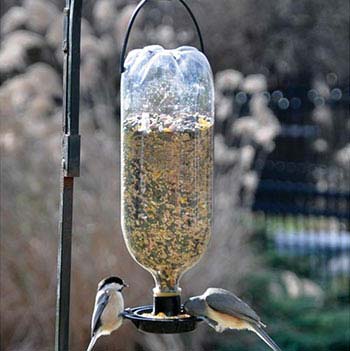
{"points": [[303, 194]]}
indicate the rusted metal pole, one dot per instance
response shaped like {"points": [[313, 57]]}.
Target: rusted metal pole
{"points": [[70, 166]]}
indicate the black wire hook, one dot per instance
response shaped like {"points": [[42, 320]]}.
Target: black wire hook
{"points": [[131, 23]]}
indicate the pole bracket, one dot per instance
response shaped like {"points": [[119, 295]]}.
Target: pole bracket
{"points": [[71, 155]]}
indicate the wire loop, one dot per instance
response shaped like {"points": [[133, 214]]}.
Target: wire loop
{"points": [[131, 23]]}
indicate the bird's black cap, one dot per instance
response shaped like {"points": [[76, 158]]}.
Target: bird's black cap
{"points": [[111, 280]]}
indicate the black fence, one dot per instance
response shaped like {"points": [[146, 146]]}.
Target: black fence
{"points": [[303, 192]]}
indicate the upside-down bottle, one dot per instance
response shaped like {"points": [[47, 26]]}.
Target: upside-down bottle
{"points": [[167, 111]]}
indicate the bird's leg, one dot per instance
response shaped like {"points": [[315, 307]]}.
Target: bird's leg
{"points": [[214, 324], [219, 328]]}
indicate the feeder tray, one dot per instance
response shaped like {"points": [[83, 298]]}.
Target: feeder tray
{"points": [[159, 325]]}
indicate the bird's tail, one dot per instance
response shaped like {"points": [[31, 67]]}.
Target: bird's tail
{"points": [[264, 336], [92, 342]]}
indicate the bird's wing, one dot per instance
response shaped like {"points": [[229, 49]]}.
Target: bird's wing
{"points": [[226, 302], [100, 304]]}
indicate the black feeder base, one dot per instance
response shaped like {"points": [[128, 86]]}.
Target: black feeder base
{"points": [[158, 325]]}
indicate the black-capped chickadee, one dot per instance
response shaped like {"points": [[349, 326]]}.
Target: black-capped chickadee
{"points": [[109, 305], [223, 310]]}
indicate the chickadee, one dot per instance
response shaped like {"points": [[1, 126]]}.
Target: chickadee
{"points": [[223, 310], [109, 305]]}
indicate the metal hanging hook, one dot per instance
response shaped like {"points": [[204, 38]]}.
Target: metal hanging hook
{"points": [[131, 23]]}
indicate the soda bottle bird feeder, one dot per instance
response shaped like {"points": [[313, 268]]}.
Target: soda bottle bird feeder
{"points": [[167, 121]]}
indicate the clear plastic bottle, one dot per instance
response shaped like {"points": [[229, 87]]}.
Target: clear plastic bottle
{"points": [[167, 104]]}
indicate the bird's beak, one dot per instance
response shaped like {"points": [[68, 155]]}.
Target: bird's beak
{"points": [[126, 285]]}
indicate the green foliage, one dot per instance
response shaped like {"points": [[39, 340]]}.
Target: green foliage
{"points": [[296, 323]]}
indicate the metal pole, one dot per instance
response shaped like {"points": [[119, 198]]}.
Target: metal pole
{"points": [[70, 165]]}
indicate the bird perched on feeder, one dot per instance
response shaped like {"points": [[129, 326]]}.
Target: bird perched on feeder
{"points": [[223, 310], [109, 305]]}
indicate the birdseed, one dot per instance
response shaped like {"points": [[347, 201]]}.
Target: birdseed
{"points": [[162, 315], [167, 171]]}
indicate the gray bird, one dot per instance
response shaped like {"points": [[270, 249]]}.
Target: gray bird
{"points": [[223, 310], [109, 305]]}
